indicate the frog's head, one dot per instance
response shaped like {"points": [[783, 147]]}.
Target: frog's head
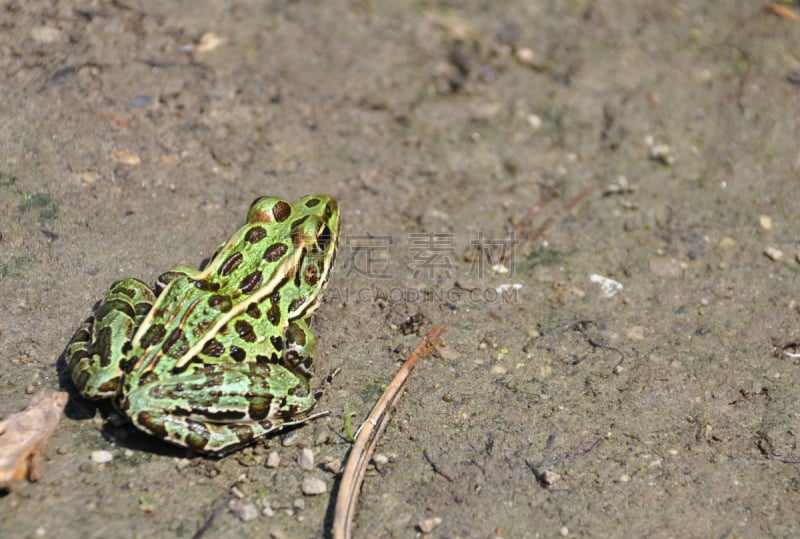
{"points": [[312, 222]]}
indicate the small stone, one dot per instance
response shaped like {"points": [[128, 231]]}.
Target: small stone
{"points": [[331, 464], [124, 157], [46, 34], [273, 460], [774, 254], [564, 531], [101, 457], [291, 439], [246, 511], [497, 370], [525, 56], [299, 504], [306, 459], [380, 459], [266, 509], [624, 478], [765, 221], [182, 464], [663, 154], [312, 486], [208, 42], [549, 477], [534, 121], [429, 524]]}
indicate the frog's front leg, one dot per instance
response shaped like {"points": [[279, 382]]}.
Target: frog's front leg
{"points": [[96, 354], [214, 408]]}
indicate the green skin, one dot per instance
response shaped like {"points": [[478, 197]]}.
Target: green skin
{"points": [[216, 358]]}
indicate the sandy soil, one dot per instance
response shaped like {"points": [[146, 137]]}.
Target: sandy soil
{"points": [[650, 143]]}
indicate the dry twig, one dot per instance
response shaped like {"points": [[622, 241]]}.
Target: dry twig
{"points": [[368, 435]]}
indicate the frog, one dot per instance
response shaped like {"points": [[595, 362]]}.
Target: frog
{"points": [[212, 359]]}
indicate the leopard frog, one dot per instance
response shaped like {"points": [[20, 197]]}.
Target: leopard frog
{"points": [[212, 359]]}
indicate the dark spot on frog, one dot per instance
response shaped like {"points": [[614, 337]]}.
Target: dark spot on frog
{"points": [[197, 436], [245, 331], [311, 275], [152, 423], [281, 211], [204, 285], [277, 342], [275, 251], [237, 354], [221, 416], [255, 234], [174, 336], [243, 432], [259, 409], [253, 311], [230, 264], [220, 303], [311, 202], [251, 282], [102, 346], [153, 335], [213, 348], [296, 304], [274, 314]]}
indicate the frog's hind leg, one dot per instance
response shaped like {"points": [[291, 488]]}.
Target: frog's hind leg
{"points": [[95, 355], [215, 408]]}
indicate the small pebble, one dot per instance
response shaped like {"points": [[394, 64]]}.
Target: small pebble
{"points": [[291, 439], [663, 154], [331, 464], [525, 56], [550, 477], [266, 509], [299, 504], [774, 254], [101, 457], [534, 121], [273, 460], [497, 369], [306, 459], [182, 464], [246, 512], [429, 524], [765, 221], [380, 459], [46, 34], [312, 486], [564, 531]]}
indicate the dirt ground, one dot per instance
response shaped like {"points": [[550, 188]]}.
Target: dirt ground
{"points": [[653, 144]]}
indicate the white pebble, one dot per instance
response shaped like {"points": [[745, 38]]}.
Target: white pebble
{"points": [[102, 456], [246, 512], [774, 254], [273, 460], [564, 531], [312, 486], [380, 459], [429, 524], [306, 459]]}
